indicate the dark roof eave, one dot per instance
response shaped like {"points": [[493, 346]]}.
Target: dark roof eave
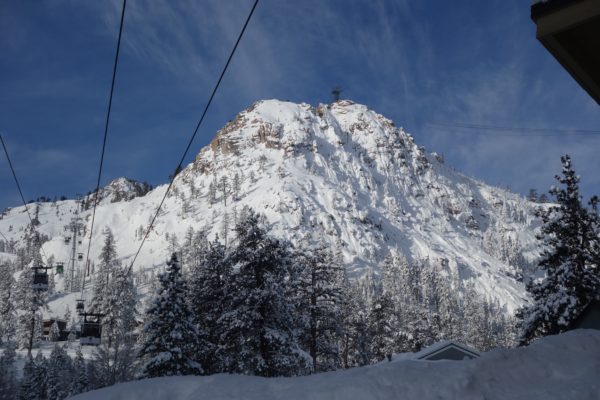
{"points": [[543, 8]]}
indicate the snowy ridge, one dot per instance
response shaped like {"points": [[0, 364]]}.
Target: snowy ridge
{"points": [[122, 189], [340, 173], [556, 367]]}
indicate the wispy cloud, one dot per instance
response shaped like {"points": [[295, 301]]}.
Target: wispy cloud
{"points": [[415, 62]]}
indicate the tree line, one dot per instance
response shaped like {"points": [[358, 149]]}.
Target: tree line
{"points": [[261, 306]]}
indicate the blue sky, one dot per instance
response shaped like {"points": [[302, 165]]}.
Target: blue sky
{"points": [[428, 65]]}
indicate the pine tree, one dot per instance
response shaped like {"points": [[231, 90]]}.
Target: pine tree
{"points": [[27, 387], [8, 322], [30, 303], [8, 379], [532, 196], [225, 227], [259, 335], [92, 376], [394, 283], [212, 192], [115, 356], [382, 327], [118, 306], [569, 260], [186, 250], [54, 332], [224, 188], [356, 340], [80, 383], [170, 335], [209, 279], [40, 376], [108, 259], [236, 186], [320, 297], [59, 374]]}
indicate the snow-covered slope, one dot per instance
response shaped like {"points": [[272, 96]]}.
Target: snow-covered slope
{"points": [[340, 173], [557, 367]]}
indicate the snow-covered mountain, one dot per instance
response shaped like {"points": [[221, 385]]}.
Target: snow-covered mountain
{"points": [[339, 173]]}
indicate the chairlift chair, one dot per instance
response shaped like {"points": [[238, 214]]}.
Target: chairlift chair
{"points": [[80, 256], [60, 268], [91, 329]]}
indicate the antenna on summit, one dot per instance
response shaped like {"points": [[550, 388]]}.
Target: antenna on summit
{"points": [[335, 92]]}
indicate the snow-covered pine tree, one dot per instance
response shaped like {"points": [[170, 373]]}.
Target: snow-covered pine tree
{"points": [[8, 322], [212, 192], [59, 374], [199, 247], [320, 297], [27, 387], [170, 335], [569, 260], [209, 279], [174, 246], [225, 222], [382, 327], [40, 376], [394, 278], [356, 341], [54, 332], [115, 357], [259, 336], [80, 382], [224, 188], [186, 250], [474, 327], [92, 376], [236, 186], [8, 376], [67, 317], [108, 259], [30, 303]]}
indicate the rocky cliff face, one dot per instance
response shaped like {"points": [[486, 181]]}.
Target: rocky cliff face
{"points": [[338, 173]]}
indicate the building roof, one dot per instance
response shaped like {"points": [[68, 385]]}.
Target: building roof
{"points": [[544, 7], [578, 322], [442, 346], [570, 31]]}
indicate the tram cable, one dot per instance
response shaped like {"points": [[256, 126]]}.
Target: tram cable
{"points": [[178, 168], [106, 125], [14, 174]]}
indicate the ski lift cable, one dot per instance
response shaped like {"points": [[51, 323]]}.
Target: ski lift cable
{"points": [[14, 174], [516, 131], [106, 125], [178, 168]]}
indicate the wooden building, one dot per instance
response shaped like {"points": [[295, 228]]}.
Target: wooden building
{"points": [[62, 328]]}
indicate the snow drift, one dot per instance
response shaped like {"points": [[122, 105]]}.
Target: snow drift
{"points": [[565, 366]]}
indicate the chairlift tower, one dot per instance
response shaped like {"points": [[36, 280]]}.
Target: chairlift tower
{"points": [[74, 227]]}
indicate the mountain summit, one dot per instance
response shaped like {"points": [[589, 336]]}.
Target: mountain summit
{"points": [[337, 173]]}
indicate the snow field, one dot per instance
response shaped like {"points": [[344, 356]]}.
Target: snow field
{"points": [[558, 367]]}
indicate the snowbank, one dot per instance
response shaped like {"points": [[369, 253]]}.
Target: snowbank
{"points": [[559, 367]]}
